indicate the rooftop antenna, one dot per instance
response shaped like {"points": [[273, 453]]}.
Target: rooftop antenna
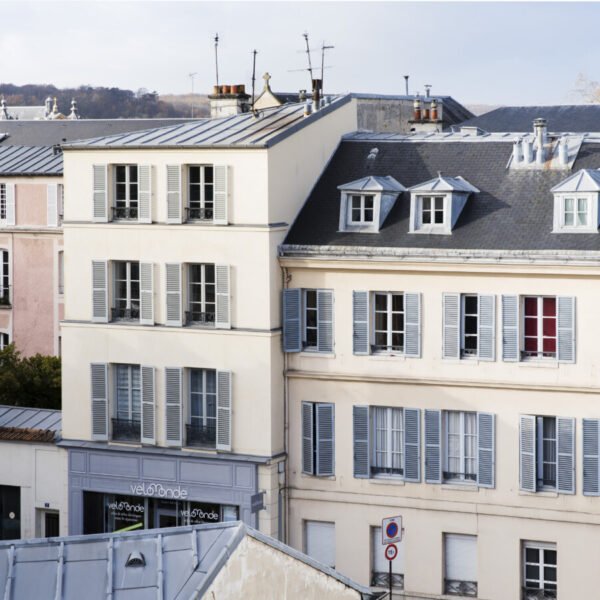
{"points": [[406, 83], [254, 53], [305, 36], [427, 89], [323, 48], [191, 76], [217, 57]]}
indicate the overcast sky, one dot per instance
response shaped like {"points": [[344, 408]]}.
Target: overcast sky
{"points": [[478, 52]]}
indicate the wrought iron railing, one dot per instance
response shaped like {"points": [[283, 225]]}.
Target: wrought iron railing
{"points": [[125, 213], [201, 436], [199, 318], [386, 470], [126, 430], [454, 587], [449, 476], [538, 594], [380, 579], [381, 348], [5, 296], [196, 213], [125, 314]]}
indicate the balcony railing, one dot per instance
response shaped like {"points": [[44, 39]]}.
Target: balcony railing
{"points": [[126, 430], [125, 213], [193, 317], [5, 296], [537, 594], [195, 213], [454, 587], [381, 579], [201, 436], [386, 470], [449, 476], [378, 348], [125, 314]]}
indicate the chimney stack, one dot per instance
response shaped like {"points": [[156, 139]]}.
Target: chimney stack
{"points": [[517, 154], [317, 88], [563, 151], [417, 109], [539, 127], [527, 151]]}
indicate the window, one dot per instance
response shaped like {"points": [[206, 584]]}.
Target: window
{"points": [[319, 541], [126, 192], [460, 458], [201, 192], [4, 279], [432, 210], [388, 441], [575, 212], [388, 322], [380, 568], [539, 571], [128, 416], [470, 324], [201, 294], [460, 565], [318, 439], [547, 457], [539, 327], [310, 320], [127, 290], [361, 209], [61, 272], [3, 208], [4, 340], [202, 427]]}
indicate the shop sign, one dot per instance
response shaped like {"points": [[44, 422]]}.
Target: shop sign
{"points": [[203, 513], [159, 490], [257, 502]]}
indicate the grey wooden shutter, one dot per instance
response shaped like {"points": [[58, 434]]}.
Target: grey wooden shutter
{"points": [[565, 480], [145, 193], [451, 337], [307, 438], [360, 430], [325, 320], [224, 410], [412, 325], [100, 194], [510, 328], [223, 310], [52, 205], [99, 393], [148, 409], [412, 445], [146, 293], [173, 288], [173, 406], [360, 317], [527, 453], [292, 308], [221, 177], [325, 418], [10, 204], [591, 457], [433, 446], [486, 450], [100, 291], [174, 194], [487, 327], [566, 329]]}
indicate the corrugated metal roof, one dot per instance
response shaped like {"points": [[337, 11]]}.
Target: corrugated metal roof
{"points": [[30, 160], [30, 419]]}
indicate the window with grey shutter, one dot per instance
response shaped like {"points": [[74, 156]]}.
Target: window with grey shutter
{"points": [[412, 445], [173, 288], [360, 314], [451, 337], [566, 329], [486, 450], [221, 194], [325, 320], [510, 328], [174, 194], [148, 409], [412, 325], [527, 453], [487, 327], [223, 309], [100, 291], [99, 393], [433, 446], [308, 463], [145, 194], [360, 430], [224, 411], [565, 476], [292, 306], [52, 205], [325, 439], [173, 406], [591, 457], [146, 293], [100, 194]]}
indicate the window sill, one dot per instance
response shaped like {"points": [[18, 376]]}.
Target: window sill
{"points": [[387, 356], [540, 494], [316, 354], [319, 477], [539, 363], [387, 481], [5, 306], [455, 486]]}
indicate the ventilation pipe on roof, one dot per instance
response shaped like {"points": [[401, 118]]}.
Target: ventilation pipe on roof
{"points": [[434, 110], [563, 151], [539, 127], [308, 108], [517, 151], [527, 151]]}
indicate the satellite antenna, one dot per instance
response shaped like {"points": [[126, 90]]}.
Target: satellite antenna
{"points": [[254, 53], [217, 57]]}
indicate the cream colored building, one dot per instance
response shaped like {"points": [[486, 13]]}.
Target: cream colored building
{"points": [[442, 364]]}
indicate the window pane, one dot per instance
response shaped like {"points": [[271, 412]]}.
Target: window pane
{"points": [[311, 318], [208, 175], [531, 326], [194, 174], [368, 215], [380, 302], [531, 307], [381, 321], [120, 173], [426, 203], [569, 204], [532, 572], [398, 322], [531, 345], [471, 305], [439, 203], [550, 573], [470, 324], [550, 557], [368, 202], [311, 299], [549, 307], [398, 302], [549, 327], [133, 173], [532, 555], [439, 216]]}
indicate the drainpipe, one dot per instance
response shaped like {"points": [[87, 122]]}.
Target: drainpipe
{"points": [[285, 277]]}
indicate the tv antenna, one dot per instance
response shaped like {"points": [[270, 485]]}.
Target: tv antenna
{"points": [[191, 76], [217, 57], [254, 53], [305, 36], [323, 48]]}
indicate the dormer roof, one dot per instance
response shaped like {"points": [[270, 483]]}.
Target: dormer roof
{"points": [[585, 180], [445, 184], [373, 183]]}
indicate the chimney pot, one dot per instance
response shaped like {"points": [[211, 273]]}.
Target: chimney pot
{"points": [[417, 109]]}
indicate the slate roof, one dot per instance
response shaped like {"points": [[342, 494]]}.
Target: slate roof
{"points": [[573, 118], [513, 211], [19, 423], [30, 160]]}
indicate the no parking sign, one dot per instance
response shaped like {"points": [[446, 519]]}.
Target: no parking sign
{"points": [[391, 530]]}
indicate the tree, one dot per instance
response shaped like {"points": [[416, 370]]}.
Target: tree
{"points": [[588, 90]]}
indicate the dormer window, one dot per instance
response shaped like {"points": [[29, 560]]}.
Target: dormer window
{"points": [[432, 210], [361, 209], [576, 203], [575, 212]]}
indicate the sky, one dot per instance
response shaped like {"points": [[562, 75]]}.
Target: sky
{"points": [[478, 52]]}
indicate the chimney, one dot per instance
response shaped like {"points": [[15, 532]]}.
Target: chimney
{"points": [[517, 154], [427, 89], [317, 87], [434, 110], [563, 151], [227, 100], [417, 109], [527, 151], [539, 127]]}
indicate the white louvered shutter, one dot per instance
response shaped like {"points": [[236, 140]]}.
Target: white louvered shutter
{"points": [[360, 431], [100, 291], [148, 409], [221, 194], [292, 307], [173, 284], [325, 417], [565, 480], [433, 446], [412, 325], [224, 410], [591, 457], [308, 466], [174, 194], [11, 210], [510, 328], [487, 327], [52, 205], [223, 311], [460, 557], [566, 329], [100, 194], [146, 293], [527, 453], [412, 445], [173, 406], [486, 451], [451, 337], [320, 542], [99, 393], [360, 316], [145, 194], [325, 320]]}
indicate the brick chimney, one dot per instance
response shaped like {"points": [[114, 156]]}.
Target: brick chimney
{"points": [[228, 100]]}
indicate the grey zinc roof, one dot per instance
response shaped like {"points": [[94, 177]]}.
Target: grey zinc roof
{"points": [[42, 419], [30, 160]]}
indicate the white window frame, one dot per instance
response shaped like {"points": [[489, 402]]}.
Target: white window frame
{"points": [[432, 210], [61, 272], [4, 339], [362, 208], [202, 185], [540, 329], [5, 277], [463, 334], [128, 295], [130, 390], [541, 456], [576, 211], [542, 547], [203, 396], [389, 331], [128, 183], [390, 432], [203, 287], [462, 457]]}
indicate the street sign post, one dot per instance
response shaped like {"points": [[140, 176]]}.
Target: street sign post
{"points": [[391, 534]]}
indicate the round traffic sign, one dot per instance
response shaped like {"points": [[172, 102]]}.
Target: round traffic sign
{"points": [[391, 529], [391, 551]]}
